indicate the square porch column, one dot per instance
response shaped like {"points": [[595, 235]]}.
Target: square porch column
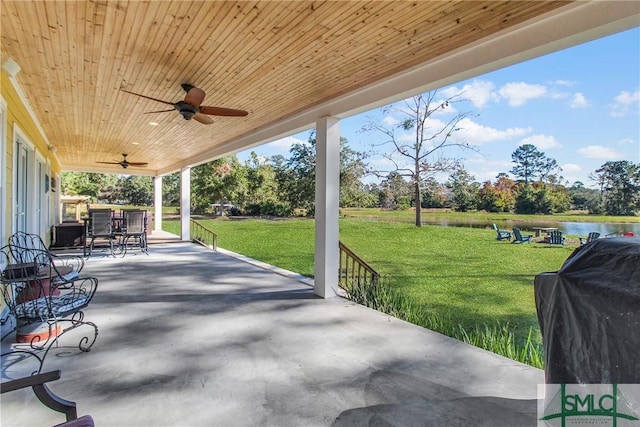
{"points": [[157, 203], [327, 205], [185, 203]]}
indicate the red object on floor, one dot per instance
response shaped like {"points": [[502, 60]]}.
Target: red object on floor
{"points": [[629, 234], [37, 332]]}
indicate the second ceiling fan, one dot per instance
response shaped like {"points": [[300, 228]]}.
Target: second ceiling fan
{"points": [[191, 107], [125, 163]]}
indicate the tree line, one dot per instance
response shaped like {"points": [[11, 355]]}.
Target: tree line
{"points": [[283, 186], [280, 186]]}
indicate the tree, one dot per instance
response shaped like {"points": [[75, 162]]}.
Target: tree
{"points": [[416, 159], [299, 184], [396, 192], [171, 189], [297, 175], [136, 190], [620, 186], [434, 194], [531, 163], [353, 168], [487, 198], [219, 181], [98, 186], [464, 188]]}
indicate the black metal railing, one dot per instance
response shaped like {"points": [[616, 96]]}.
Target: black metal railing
{"points": [[354, 270], [204, 236]]}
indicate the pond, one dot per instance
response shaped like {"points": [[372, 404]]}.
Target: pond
{"points": [[574, 228]]}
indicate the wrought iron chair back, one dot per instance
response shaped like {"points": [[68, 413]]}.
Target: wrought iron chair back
{"points": [[45, 299], [21, 239]]}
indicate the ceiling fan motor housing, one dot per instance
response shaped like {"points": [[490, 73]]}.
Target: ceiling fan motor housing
{"points": [[187, 110]]}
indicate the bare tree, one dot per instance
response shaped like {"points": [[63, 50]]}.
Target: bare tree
{"points": [[423, 157]]}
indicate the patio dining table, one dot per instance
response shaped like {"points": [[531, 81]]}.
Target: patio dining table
{"points": [[547, 230]]}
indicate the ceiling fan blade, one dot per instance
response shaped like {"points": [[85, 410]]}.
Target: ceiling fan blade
{"points": [[219, 111], [138, 164], [205, 120], [109, 163], [195, 96], [159, 111], [148, 97]]}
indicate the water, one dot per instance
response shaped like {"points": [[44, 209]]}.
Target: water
{"points": [[574, 228]]}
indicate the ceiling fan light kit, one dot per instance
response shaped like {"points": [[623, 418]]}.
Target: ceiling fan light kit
{"points": [[187, 111]]}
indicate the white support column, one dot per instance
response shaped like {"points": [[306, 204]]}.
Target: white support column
{"points": [[157, 203], [327, 206], [185, 203]]}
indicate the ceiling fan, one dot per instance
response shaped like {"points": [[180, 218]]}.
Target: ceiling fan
{"points": [[125, 163], [190, 108]]}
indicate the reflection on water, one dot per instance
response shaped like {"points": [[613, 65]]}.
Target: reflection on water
{"points": [[577, 228]]}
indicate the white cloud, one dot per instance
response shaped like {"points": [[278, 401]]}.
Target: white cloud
{"points": [[479, 92], [485, 168], [519, 93], [280, 146], [567, 83], [599, 152], [623, 102], [559, 95], [476, 134], [390, 121], [571, 168], [543, 142], [579, 101]]}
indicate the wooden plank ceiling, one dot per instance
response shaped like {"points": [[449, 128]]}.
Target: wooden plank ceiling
{"points": [[270, 58]]}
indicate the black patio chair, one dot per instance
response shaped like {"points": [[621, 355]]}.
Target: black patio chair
{"points": [[135, 230], [100, 226]]}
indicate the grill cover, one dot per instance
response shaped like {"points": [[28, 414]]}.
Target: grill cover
{"points": [[589, 314]]}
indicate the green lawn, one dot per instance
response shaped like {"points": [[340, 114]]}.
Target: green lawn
{"points": [[463, 274]]}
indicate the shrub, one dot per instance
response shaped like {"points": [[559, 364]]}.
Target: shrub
{"points": [[499, 339]]}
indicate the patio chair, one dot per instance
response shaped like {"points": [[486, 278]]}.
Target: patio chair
{"points": [[135, 230], [38, 383], [590, 238], [100, 226], [555, 238], [518, 237], [44, 301], [502, 234], [33, 241]]}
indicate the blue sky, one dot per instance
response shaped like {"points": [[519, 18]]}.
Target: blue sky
{"points": [[580, 106]]}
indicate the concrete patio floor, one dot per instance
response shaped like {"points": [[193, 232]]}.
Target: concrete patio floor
{"points": [[192, 337]]}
